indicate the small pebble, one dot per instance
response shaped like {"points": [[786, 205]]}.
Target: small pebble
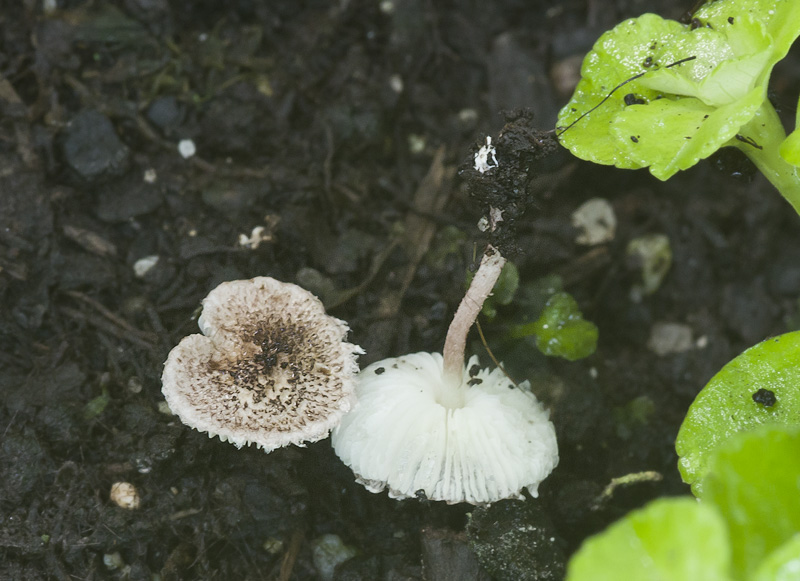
{"points": [[142, 266], [596, 222], [765, 397], [669, 338], [186, 148], [125, 495], [327, 552]]}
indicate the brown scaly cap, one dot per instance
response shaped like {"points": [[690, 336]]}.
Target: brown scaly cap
{"points": [[271, 367]]}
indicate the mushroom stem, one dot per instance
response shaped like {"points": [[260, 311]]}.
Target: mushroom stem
{"points": [[479, 289]]}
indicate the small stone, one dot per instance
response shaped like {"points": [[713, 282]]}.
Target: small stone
{"points": [[652, 254], [113, 561], [327, 552], [135, 385], [166, 113], [765, 397], [92, 149], [446, 555], [186, 148], [596, 222], [142, 266], [273, 546], [126, 198], [396, 83], [669, 338], [125, 495], [749, 310]]}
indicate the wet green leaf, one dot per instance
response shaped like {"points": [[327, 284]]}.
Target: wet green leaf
{"points": [[783, 564], [754, 480], [672, 539], [641, 109], [96, 406], [726, 405], [561, 330]]}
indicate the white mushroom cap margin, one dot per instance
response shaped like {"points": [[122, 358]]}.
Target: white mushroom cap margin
{"points": [[478, 442], [271, 367]]}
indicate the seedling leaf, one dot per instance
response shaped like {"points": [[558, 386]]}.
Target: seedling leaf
{"points": [[726, 405], [672, 539], [668, 117], [783, 564], [754, 481], [561, 330]]}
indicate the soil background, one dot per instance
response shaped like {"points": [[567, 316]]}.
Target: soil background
{"points": [[333, 147]]}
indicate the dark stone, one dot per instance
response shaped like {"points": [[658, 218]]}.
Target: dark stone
{"points": [[765, 397], [139, 419], [126, 198], [22, 465], [749, 311], [92, 149], [166, 113], [162, 447], [62, 427], [446, 556]]}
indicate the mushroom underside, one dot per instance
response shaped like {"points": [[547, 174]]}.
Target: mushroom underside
{"points": [[416, 434]]}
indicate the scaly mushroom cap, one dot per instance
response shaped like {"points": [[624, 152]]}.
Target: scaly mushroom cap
{"points": [[478, 442], [271, 368]]}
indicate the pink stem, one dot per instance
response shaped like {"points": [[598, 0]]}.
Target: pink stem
{"points": [[479, 289]]}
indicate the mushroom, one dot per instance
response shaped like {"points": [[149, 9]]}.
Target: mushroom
{"points": [[271, 367], [426, 424]]}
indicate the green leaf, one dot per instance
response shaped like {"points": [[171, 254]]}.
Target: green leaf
{"points": [[754, 480], [627, 50], [671, 539], [673, 134], [561, 330], [783, 564], [790, 148], [725, 406], [676, 115], [96, 406]]}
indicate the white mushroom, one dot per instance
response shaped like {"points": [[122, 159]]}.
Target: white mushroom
{"points": [[479, 440], [271, 367], [427, 424]]}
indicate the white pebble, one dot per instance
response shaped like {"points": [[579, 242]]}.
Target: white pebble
{"points": [[142, 266], [125, 495], [186, 148], [596, 221]]}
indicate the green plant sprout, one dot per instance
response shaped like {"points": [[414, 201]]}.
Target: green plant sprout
{"points": [[790, 148], [561, 330], [745, 527], [660, 94], [760, 386]]}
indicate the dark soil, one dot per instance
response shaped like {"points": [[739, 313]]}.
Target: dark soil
{"points": [[338, 127]]}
